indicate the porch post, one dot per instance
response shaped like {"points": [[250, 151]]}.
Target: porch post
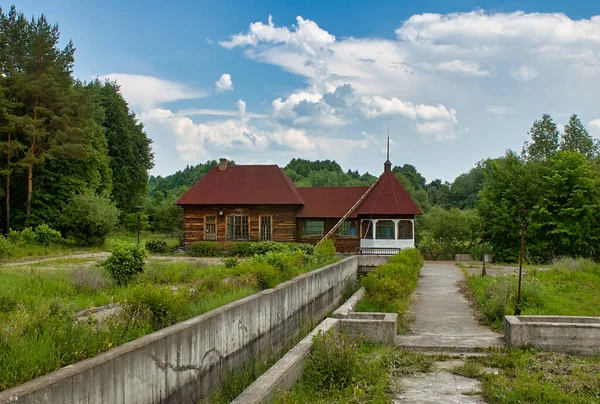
{"points": [[374, 222], [395, 228]]}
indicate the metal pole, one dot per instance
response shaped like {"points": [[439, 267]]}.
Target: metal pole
{"points": [[518, 306], [483, 248], [138, 226]]}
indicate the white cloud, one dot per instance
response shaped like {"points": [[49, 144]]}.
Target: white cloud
{"points": [[524, 73], [147, 92], [594, 127], [496, 109], [377, 106], [306, 34], [439, 130], [217, 112], [464, 67], [224, 83]]}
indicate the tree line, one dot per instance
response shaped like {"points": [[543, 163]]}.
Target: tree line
{"points": [[60, 138]]}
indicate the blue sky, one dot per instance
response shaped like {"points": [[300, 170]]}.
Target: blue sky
{"points": [[266, 81]]}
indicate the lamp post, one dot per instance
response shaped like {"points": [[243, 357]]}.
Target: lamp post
{"points": [[139, 211], [482, 249], [518, 305]]}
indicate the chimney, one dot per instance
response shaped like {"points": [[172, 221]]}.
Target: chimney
{"points": [[222, 164]]}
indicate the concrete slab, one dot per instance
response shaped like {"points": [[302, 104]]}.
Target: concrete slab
{"points": [[439, 387], [443, 317]]}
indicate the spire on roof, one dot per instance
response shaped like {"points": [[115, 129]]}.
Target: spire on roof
{"points": [[387, 166]]}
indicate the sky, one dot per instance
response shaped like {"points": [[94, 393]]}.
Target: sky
{"points": [[262, 82]]}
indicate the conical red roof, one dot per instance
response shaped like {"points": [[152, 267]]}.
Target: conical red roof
{"points": [[388, 197]]}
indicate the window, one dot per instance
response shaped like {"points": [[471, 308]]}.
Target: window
{"points": [[313, 228], [210, 228], [405, 230], [237, 228], [265, 227], [385, 230], [347, 229], [367, 229]]}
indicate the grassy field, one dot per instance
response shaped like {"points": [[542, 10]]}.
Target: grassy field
{"points": [[570, 287], [23, 252], [529, 376], [40, 331]]}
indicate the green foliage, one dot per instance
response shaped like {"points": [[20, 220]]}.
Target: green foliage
{"points": [[326, 248], [544, 140], [157, 246], [555, 292], [45, 235], [130, 222], [205, 249], [576, 138], [5, 247], [333, 361], [125, 261], [559, 199], [89, 219], [389, 287], [162, 305], [449, 231], [324, 173], [529, 376], [266, 275], [231, 262]]}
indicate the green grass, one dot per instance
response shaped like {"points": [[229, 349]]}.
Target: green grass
{"points": [[529, 376], [371, 382], [38, 329], [389, 288], [569, 288]]}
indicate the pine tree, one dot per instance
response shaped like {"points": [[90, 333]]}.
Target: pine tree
{"points": [[544, 140], [575, 137]]}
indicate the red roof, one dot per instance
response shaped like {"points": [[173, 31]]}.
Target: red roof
{"points": [[243, 185], [388, 197], [269, 185], [332, 202]]}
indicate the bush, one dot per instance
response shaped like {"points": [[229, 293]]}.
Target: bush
{"points": [[25, 236], [333, 361], [157, 246], [125, 261], [231, 262], [243, 249], [326, 248], [267, 277], [89, 219], [205, 249], [46, 235], [5, 247], [410, 257], [161, 305]]}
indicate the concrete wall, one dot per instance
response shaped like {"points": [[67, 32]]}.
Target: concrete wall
{"points": [[368, 263], [375, 327], [554, 333], [185, 362]]}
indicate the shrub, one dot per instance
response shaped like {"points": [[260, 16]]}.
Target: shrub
{"points": [[5, 247], [46, 235], [333, 361], [267, 277], [205, 249], [161, 305], [410, 256], [157, 246], [243, 249], [25, 236], [231, 262], [125, 261], [326, 248], [89, 219]]}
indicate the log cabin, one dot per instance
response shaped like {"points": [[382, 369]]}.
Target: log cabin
{"points": [[260, 202]]}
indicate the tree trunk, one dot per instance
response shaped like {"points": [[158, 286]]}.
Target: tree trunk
{"points": [[30, 165], [7, 222]]}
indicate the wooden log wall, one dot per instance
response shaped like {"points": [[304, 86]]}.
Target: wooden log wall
{"points": [[283, 221], [342, 244]]}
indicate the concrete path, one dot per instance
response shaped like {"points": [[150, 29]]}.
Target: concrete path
{"points": [[443, 319], [443, 322]]}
